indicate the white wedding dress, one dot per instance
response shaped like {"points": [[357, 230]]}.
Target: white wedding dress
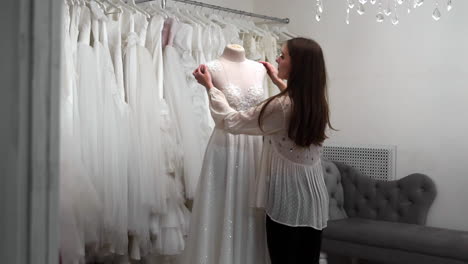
{"points": [[224, 229], [79, 206]]}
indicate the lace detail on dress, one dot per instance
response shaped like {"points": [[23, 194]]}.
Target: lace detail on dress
{"points": [[243, 101], [214, 66]]}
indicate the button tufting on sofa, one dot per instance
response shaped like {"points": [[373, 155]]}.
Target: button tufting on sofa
{"points": [[384, 221]]}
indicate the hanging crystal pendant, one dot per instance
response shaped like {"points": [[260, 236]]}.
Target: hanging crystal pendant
{"points": [[409, 6], [350, 3], [361, 10], [387, 11], [319, 6], [373, 1], [449, 5], [347, 16], [418, 3], [363, 2], [400, 2], [380, 17], [436, 14], [395, 19], [318, 11], [318, 17]]}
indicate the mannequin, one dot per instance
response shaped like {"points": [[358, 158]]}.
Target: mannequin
{"points": [[239, 78], [224, 228]]}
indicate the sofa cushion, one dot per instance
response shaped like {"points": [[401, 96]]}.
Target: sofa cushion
{"points": [[405, 200], [406, 237], [332, 178]]}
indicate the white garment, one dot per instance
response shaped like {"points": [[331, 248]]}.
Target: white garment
{"points": [[138, 215], [290, 184], [196, 93], [251, 50], [154, 45], [115, 129], [270, 48], [231, 34], [224, 228], [171, 226], [79, 206], [87, 83], [117, 103], [175, 86]]}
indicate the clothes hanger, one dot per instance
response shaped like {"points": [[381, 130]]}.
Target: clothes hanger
{"points": [[111, 6], [158, 9], [237, 22], [98, 12], [270, 31], [196, 13], [259, 31], [181, 16], [285, 31], [194, 17], [99, 3], [133, 5], [126, 6], [215, 18]]}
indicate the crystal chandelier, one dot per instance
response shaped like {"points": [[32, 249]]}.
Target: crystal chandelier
{"points": [[390, 10]]}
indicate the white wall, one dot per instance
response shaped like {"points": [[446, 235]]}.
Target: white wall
{"points": [[404, 85]]}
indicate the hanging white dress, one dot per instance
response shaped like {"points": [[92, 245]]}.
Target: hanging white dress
{"points": [[138, 220], [224, 228], [149, 123], [79, 206], [71, 242], [172, 225], [87, 83], [175, 86], [116, 102], [112, 176], [183, 41]]}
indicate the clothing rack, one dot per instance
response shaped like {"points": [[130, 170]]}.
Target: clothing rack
{"points": [[224, 9]]}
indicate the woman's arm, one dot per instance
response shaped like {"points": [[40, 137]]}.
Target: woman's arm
{"points": [[246, 122], [273, 73], [240, 122]]}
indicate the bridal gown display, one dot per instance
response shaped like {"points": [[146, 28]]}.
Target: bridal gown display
{"points": [[115, 104], [180, 106], [79, 203], [134, 128], [224, 228]]}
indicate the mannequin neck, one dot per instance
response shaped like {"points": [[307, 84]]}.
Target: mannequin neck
{"points": [[234, 52]]}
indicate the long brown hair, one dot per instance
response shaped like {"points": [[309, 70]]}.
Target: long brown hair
{"points": [[307, 89]]}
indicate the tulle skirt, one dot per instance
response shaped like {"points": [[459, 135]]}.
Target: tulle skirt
{"points": [[224, 227]]}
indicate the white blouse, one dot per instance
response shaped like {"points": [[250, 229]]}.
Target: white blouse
{"points": [[290, 185]]}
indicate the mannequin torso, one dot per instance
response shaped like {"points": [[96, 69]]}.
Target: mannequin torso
{"points": [[238, 78]]}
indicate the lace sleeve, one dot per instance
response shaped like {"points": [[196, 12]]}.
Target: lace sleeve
{"points": [[246, 122]]}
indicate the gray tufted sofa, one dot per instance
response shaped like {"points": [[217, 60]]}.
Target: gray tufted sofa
{"points": [[383, 222]]}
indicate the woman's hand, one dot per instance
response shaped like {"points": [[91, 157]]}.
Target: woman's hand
{"points": [[203, 76], [273, 73]]}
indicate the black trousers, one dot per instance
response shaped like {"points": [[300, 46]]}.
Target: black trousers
{"points": [[293, 245]]}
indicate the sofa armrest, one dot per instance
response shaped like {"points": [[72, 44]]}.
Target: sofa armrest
{"points": [[405, 200]]}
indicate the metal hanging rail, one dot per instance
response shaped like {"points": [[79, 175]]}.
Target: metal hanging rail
{"points": [[224, 9]]}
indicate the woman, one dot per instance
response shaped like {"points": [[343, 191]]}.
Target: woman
{"points": [[290, 185]]}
